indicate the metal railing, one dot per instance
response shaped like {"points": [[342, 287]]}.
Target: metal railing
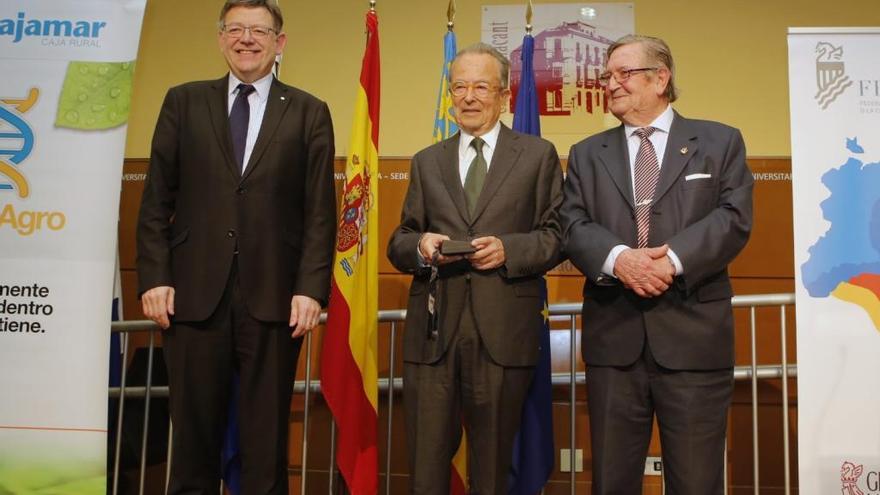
{"points": [[392, 384]]}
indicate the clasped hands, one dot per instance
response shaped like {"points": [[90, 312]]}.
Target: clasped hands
{"points": [[646, 271], [489, 252], [158, 305]]}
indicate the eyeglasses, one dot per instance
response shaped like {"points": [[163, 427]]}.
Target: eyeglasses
{"points": [[622, 75], [481, 89], [237, 31]]}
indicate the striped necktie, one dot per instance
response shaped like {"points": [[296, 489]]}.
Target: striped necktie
{"points": [[647, 170]]}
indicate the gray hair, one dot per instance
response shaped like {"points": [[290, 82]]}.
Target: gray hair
{"points": [[270, 5], [657, 53], [484, 49]]}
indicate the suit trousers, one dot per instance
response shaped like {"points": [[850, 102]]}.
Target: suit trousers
{"points": [[464, 386], [691, 409], [201, 358]]}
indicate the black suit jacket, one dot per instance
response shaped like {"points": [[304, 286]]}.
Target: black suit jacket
{"points": [[197, 210], [702, 209], [519, 205]]}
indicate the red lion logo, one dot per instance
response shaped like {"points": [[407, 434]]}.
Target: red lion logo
{"points": [[849, 475]]}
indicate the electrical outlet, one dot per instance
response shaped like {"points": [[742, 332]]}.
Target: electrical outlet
{"points": [[653, 466], [565, 460]]}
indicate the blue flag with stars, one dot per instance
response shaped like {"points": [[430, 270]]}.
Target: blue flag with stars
{"points": [[533, 451]]}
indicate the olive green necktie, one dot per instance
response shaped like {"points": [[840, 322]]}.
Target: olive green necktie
{"points": [[476, 175]]}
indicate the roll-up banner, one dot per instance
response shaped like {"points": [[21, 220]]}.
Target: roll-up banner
{"points": [[834, 79], [65, 91]]}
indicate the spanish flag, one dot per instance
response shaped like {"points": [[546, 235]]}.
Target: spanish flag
{"points": [[349, 376]]}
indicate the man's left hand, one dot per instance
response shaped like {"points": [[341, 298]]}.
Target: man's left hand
{"points": [[304, 315], [489, 254]]}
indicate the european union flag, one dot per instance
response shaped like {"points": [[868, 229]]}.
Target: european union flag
{"points": [[444, 122], [525, 115], [533, 451], [231, 454]]}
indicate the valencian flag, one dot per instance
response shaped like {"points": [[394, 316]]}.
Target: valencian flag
{"points": [[444, 122], [349, 378], [533, 448]]}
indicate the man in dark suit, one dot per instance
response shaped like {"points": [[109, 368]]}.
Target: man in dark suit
{"points": [[235, 245], [654, 211], [472, 338]]}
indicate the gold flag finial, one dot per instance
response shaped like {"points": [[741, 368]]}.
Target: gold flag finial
{"points": [[450, 15], [372, 5], [529, 18]]}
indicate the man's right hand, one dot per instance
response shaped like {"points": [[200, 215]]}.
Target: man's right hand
{"points": [[645, 271], [158, 304], [429, 243]]}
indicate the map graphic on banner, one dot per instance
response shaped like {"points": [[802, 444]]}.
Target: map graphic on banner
{"points": [[845, 261]]}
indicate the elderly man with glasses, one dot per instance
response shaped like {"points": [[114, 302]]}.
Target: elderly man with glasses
{"points": [[235, 244], [654, 211], [479, 228]]}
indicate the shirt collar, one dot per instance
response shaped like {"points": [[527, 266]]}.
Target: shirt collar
{"points": [[261, 85], [490, 138], [663, 122]]}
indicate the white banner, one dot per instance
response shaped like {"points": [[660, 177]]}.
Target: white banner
{"points": [[835, 116], [64, 100], [571, 44]]}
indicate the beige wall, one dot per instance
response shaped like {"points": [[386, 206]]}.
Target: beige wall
{"points": [[731, 57]]}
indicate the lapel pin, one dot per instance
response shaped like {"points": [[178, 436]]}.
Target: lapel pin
{"points": [[283, 98], [684, 150]]}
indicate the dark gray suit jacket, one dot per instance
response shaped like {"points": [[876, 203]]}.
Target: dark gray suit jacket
{"points": [[519, 204], [197, 209], [706, 222]]}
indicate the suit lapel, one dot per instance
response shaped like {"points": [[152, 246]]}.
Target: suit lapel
{"points": [[448, 165], [507, 151], [218, 109], [276, 104], [680, 147], [615, 158]]}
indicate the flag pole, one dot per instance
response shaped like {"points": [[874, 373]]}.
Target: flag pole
{"points": [[450, 16], [444, 127], [529, 18]]}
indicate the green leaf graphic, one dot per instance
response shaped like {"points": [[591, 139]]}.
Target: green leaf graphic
{"points": [[52, 480], [95, 95]]}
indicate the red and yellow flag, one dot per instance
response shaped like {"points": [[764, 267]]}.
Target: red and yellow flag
{"points": [[349, 376], [458, 480]]}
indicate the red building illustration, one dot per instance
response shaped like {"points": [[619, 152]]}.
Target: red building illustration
{"points": [[568, 61]]}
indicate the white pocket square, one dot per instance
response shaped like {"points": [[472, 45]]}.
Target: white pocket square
{"points": [[697, 176]]}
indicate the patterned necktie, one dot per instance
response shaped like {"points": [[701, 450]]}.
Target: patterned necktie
{"points": [[239, 118], [647, 170], [476, 175]]}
